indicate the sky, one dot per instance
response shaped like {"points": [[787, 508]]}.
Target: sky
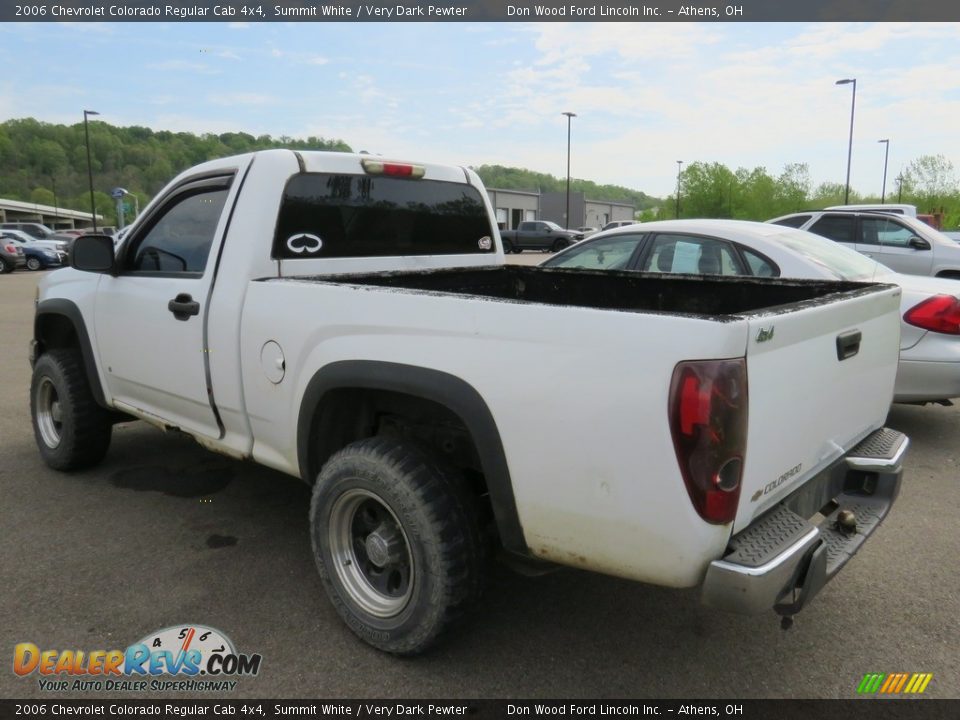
{"points": [[645, 94]]}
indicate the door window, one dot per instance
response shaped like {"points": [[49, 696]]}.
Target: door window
{"points": [[690, 254], [838, 228], [884, 231], [179, 240], [612, 253]]}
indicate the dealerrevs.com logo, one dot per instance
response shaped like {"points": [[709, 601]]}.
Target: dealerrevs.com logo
{"points": [[187, 658]]}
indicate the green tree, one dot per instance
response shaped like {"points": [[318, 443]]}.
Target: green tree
{"points": [[706, 190]]}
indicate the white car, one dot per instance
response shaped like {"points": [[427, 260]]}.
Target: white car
{"points": [[929, 369], [900, 242]]}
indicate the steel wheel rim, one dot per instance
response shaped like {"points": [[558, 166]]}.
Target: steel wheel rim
{"points": [[33, 264], [371, 554], [49, 413]]}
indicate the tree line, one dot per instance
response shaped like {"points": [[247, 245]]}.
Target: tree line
{"points": [[712, 190], [47, 163]]}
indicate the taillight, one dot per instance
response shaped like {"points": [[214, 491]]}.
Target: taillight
{"points": [[941, 314], [394, 169], [12, 249], [708, 421]]}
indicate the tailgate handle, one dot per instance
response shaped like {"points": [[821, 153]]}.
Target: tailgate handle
{"points": [[848, 344]]}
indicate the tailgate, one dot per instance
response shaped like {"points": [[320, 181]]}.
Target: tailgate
{"points": [[820, 379]]}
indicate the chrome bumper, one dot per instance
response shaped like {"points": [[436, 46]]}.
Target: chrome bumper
{"points": [[785, 557]]}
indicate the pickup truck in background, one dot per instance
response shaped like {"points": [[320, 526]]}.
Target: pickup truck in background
{"points": [[540, 235], [347, 320]]}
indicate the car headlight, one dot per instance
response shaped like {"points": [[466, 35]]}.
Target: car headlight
{"points": [[51, 255]]}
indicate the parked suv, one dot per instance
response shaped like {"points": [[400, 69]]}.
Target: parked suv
{"points": [[35, 230], [900, 242]]}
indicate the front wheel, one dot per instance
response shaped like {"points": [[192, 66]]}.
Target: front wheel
{"points": [[559, 245], [396, 540], [33, 263], [72, 431], [5, 267]]}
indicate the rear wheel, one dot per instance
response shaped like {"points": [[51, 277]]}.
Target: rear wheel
{"points": [[72, 431], [396, 540], [508, 247], [33, 263], [559, 245], [5, 267]]}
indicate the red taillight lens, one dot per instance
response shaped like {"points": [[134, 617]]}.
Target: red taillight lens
{"points": [[708, 421], [941, 313], [12, 249]]}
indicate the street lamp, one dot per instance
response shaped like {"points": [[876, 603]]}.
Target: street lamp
{"points": [[679, 163], [56, 205], [853, 104], [86, 132], [570, 117], [886, 156]]}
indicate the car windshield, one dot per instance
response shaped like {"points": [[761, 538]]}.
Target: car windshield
{"points": [[552, 225], [847, 264]]}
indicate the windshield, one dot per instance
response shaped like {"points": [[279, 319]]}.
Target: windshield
{"points": [[847, 264], [552, 225]]}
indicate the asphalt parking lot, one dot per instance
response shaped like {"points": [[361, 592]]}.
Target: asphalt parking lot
{"points": [[164, 533]]}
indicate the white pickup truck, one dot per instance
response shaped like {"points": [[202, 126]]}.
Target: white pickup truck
{"points": [[350, 321]]}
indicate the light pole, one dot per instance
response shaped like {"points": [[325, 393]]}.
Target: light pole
{"points": [[86, 132], [570, 116], [853, 104], [56, 205], [886, 156], [679, 163]]}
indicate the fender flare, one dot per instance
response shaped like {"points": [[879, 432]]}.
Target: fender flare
{"points": [[69, 310], [447, 390]]}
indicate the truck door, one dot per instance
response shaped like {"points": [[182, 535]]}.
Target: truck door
{"points": [[150, 318]]}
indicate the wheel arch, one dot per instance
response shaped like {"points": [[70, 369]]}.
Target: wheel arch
{"points": [[442, 389], [58, 323]]}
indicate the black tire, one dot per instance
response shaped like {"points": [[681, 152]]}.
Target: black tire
{"points": [[72, 431], [559, 245], [507, 247], [33, 263], [5, 267], [396, 539], [517, 249]]}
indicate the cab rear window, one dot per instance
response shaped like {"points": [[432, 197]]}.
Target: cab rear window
{"points": [[324, 215]]}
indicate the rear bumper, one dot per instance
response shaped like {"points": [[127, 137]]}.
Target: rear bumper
{"points": [[927, 381], [786, 556]]}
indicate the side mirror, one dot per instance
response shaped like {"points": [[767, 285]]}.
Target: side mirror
{"points": [[918, 243], [92, 253]]}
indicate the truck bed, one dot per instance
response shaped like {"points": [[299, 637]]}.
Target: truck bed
{"points": [[717, 298]]}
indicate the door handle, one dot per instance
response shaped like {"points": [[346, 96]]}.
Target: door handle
{"points": [[848, 344], [183, 306]]}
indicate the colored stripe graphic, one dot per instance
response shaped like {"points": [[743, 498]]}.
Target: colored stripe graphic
{"points": [[870, 683], [894, 683]]}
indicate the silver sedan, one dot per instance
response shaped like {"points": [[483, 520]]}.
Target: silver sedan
{"points": [[930, 329]]}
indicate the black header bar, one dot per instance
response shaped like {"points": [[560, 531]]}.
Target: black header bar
{"points": [[479, 11]]}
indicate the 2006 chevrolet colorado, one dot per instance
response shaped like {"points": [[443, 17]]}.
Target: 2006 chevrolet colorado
{"points": [[349, 320]]}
